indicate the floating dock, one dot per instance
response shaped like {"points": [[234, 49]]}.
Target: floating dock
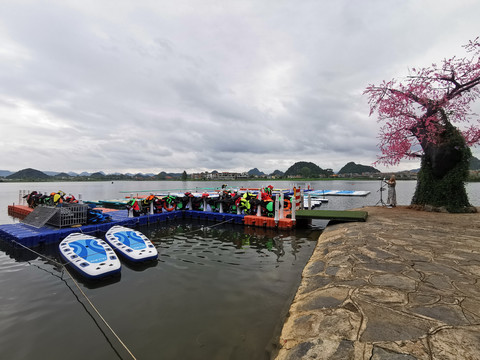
{"points": [[31, 237], [19, 211], [281, 218], [332, 215]]}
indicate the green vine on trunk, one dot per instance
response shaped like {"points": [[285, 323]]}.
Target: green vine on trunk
{"points": [[445, 190]]}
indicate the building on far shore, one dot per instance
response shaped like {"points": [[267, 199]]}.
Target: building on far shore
{"points": [[215, 175]]}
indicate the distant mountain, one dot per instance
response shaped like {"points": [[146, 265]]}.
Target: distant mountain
{"points": [[51, 173], [62, 176], [352, 168], [84, 174], [28, 174], [71, 173], [277, 173], [474, 163], [97, 175], [5, 173], [306, 170], [255, 172]]}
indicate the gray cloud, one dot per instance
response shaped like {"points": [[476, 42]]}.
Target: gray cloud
{"points": [[151, 86]]}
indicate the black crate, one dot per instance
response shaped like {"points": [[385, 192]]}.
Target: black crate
{"points": [[69, 215]]}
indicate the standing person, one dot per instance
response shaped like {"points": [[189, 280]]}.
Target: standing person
{"points": [[392, 195]]}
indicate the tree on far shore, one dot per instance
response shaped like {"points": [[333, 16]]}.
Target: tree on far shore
{"points": [[428, 115]]}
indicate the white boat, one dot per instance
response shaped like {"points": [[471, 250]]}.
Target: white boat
{"points": [[314, 202], [90, 256], [132, 244], [338, 193]]}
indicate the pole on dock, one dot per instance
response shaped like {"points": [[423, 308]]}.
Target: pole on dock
{"points": [[204, 204], [277, 201], [259, 206], [80, 199], [294, 204], [151, 207], [302, 198], [309, 201], [282, 201]]}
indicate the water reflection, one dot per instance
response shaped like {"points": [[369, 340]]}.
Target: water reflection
{"points": [[204, 244], [217, 291]]}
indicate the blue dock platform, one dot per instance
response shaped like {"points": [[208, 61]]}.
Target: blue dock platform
{"points": [[30, 236]]}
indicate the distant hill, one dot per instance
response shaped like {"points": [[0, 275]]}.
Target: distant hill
{"points": [[255, 172], [97, 175], [474, 163], [352, 168], [307, 169], [62, 175], [51, 173], [28, 174], [5, 173], [277, 173]]}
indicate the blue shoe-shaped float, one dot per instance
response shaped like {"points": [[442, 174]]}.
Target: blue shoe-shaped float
{"points": [[131, 244], [90, 256]]}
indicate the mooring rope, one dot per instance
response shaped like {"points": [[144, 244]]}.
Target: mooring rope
{"points": [[207, 227], [100, 315], [81, 303], [63, 266], [84, 295]]}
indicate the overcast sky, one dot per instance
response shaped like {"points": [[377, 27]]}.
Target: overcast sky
{"points": [[150, 86]]}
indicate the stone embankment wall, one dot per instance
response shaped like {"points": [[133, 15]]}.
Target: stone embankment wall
{"points": [[403, 285]]}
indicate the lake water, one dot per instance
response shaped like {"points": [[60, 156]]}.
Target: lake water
{"points": [[217, 291]]}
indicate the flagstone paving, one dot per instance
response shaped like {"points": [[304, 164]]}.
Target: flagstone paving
{"points": [[403, 285]]}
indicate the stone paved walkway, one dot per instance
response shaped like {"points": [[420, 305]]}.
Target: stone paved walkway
{"points": [[403, 285]]}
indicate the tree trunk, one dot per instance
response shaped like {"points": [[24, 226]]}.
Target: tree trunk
{"points": [[443, 173]]}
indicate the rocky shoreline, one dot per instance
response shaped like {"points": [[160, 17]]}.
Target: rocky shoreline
{"points": [[403, 285]]}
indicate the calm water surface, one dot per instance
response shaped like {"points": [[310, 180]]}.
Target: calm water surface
{"points": [[217, 291]]}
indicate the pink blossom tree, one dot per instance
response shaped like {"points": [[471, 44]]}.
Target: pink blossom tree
{"points": [[428, 115]]}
